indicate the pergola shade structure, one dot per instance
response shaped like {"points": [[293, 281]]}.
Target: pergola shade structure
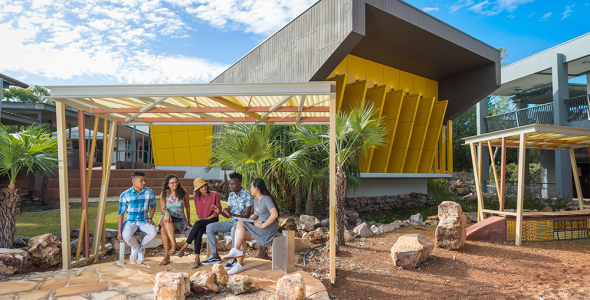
{"points": [[310, 103], [543, 137]]}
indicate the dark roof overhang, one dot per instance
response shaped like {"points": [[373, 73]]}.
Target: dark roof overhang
{"points": [[9, 81]]}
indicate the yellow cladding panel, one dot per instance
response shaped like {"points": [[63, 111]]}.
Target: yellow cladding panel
{"points": [[340, 85], [374, 73], [357, 69], [342, 68], [194, 127], [391, 110], [178, 128], [162, 140], [403, 133], [208, 131], [421, 86], [199, 156], [450, 145], [406, 81], [418, 134], [429, 154], [353, 93], [391, 78], [160, 128], [165, 157], [180, 139], [195, 137], [432, 89], [375, 95], [182, 156], [155, 153]]}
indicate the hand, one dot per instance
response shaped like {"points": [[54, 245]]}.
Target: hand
{"points": [[215, 208], [259, 224], [120, 237], [226, 211], [150, 221]]}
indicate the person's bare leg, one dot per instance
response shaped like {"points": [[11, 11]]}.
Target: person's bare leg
{"points": [[166, 243], [242, 235], [170, 228]]}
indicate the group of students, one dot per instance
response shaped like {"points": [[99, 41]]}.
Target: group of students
{"points": [[140, 205]]}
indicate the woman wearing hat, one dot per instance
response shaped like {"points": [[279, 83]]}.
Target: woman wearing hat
{"points": [[205, 200], [173, 201]]}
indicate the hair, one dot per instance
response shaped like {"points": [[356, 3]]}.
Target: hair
{"points": [[180, 192], [235, 175], [137, 174], [261, 186], [197, 193]]}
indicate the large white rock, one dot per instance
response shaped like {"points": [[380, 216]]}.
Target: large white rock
{"points": [[416, 219], [203, 282], [411, 250], [309, 223], [376, 230], [239, 284], [45, 250], [172, 286], [451, 231], [221, 275], [363, 230], [291, 287], [11, 260]]}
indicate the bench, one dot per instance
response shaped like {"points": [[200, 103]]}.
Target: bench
{"points": [[283, 247]]}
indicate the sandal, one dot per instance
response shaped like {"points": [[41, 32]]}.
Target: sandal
{"points": [[196, 264], [163, 262], [180, 252], [172, 251]]}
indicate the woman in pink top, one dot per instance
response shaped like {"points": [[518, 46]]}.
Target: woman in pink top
{"points": [[204, 201]]}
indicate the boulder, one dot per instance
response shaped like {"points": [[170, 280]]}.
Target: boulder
{"points": [[547, 209], [325, 222], [203, 282], [154, 243], [452, 228], [239, 284], [74, 245], [435, 218], [353, 216], [316, 237], [45, 250], [291, 287], [431, 222], [389, 227], [472, 216], [11, 260], [348, 235], [111, 233], [224, 244], [302, 245], [405, 223], [416, 219], [172, 286], [117, 245], [221, 276], [308, 223], [376, 230], [363, 230], [289, 224], [411, 250]]}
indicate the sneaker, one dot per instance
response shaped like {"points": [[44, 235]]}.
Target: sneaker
{"points": [[230, 264], [237, 268], [133, 256], [234, 253], [211, 260], [141, 255]]}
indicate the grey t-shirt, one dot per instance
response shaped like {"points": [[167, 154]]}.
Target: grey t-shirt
{"points": [[263, 208]]}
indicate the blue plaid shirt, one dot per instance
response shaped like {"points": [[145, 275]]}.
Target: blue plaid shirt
{"points": [[136, 204], [238, 202]]}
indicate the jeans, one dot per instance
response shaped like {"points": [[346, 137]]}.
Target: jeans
{"points": [[213, 228], [129, 228], [196, 233]]}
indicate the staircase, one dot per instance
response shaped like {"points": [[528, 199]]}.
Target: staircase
{"points": [[22, 185], [120, 181]]}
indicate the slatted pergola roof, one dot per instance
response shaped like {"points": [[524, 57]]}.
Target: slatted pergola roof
{"points": [[203, 104]]}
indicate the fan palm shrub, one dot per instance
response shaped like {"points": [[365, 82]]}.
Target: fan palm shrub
{"points": [[33, 149]]}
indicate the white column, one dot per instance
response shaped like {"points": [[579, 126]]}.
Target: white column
{"points": [[563, 168]]}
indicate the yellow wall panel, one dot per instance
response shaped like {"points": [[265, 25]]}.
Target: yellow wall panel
{"points": [[178, 128], [354, 93], [375, 95], [182, 156], [357, 69], [162, 140], [374, 73], [403, 133], [165, 157], [194, 127], [159, 128], [391, 111], [199, 156], [421, 85], [406, 82], [340, 85], [391, 78], [342, 68], [430, 149], [179, 139], [432, 89], [418, 135]]}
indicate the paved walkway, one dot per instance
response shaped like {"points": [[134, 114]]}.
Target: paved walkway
{"points": [[110, 281]]}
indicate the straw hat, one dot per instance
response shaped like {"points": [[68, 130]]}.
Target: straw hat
{"points": [[199, 182]]}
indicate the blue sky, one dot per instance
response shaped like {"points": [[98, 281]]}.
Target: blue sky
{"points": [[191, 41]]}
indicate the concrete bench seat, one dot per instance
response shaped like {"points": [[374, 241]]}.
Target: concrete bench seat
{"points": [[283, 247]]}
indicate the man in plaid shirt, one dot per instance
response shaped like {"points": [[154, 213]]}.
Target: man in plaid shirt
{"points": [[136, 201]]}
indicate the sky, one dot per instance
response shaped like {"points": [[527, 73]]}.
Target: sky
{"points": [[45, 42]]}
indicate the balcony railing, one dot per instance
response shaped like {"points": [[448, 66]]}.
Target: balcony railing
{"points": [[577, 110]]}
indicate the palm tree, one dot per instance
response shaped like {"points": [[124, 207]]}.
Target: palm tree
{"points": [[357, 132], [313, 177], [33, 149]]}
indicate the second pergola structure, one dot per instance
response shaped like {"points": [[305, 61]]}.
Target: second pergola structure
{"points": [[543, 137], [308, 103]]}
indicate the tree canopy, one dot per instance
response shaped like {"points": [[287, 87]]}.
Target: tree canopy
{"points": [[32, 94]]}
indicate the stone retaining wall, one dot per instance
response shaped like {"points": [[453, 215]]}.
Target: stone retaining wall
{"points": [[370, 204]]}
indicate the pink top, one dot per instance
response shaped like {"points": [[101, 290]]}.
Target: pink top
{"points": [[203, 204]]}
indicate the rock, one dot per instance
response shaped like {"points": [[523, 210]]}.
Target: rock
{"points": [[358, 222], [45, 250], [471, 216], [203, 282], [325, 222], [376, 230], [547, 209], [172, 286], [363, 230], [11, 260], [308, 223], [252, 245], [74, 245], [372, 223], [388, 227], [239, 284], [291, 287], [348, 235], [431, 222], [298, 234], [316, 237], [111, 233], [302, 245], [405, 223], [411, 250], [289, 224], [416, 219], [16, 242], [155, 243], [224, 244], [221, 276], [434, 218], [396, 225], [116, 245], [452, 228]]}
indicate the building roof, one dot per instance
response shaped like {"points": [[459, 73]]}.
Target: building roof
{"points": [[391, 32], [9, 81], [535, 70], [202, 104]]}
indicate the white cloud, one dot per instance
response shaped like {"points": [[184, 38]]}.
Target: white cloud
{"points": [[546, 16], [567, 12], [494, 7], [112, 41], [428, 9], [256, 16]]}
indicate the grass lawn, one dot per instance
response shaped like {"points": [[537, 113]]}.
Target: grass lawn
{"points": [[34, 224]]}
